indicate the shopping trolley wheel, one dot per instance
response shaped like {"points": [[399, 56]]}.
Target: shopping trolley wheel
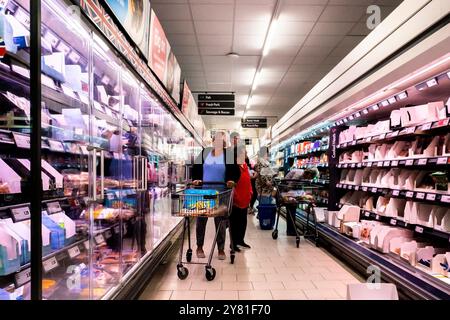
{"points": [[210, 273], [297, 241], [189, 255], [275, 234], [232, 256], [183, 272]]}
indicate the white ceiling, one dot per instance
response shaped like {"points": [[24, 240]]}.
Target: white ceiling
{"points": [[311, 38]]}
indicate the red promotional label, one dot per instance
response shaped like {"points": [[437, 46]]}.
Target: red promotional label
{"points": [[158, 47]]}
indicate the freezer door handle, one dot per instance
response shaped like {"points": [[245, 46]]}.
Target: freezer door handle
{"points": [[145, 171], [102, 175]]}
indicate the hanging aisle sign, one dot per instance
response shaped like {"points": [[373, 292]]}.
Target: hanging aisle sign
{"points": [[216, 104], [254, 123]]}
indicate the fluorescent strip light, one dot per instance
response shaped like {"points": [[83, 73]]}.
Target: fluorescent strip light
{"points": [[268, 43], [256, 80], [249, 102]]}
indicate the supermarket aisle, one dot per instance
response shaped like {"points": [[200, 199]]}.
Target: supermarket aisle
{"points": [[270, 270]]}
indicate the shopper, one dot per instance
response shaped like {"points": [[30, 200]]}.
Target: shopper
{"points": [[251, 208], [235, 139], [241, 200], [264, 176], [214, 165]]}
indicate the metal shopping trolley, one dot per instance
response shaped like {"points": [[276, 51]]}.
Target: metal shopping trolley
{"points": [[294, 193], [208, 200]]}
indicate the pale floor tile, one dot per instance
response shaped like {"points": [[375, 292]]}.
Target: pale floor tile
{"points": [[308, 276], [255, 295], [269, 270], [321, 294], [251, 277], [280, 277], [188, 295], [288, 295], [328, 284], [228, 278], [158, 295], [289, 270], [176, 285], [299, 284], [269, 285], [242, 285], [222, 295], [206, 285]]}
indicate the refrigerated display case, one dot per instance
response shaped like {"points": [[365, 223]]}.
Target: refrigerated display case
{"points": [[111, 156]]}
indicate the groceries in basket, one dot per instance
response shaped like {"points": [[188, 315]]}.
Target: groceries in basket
{"points": [[202, 202], [294, 196]]}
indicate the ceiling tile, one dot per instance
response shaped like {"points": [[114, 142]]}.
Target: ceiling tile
{"points": [[214, 27], [216, 12], [216, 66], [181, 39], [193, 67], [214, 60], [342, 14], [214, 40], [294, 27], [248, 45], [297, 76], [286, 51], [310, 51], [323, 41], [214, 50], [332, 60], [184, 60], [251, 27], [305, 2], [359, 29], [166, 11], [280, 41], [185, 50], [351, 2], [300, 13], [340, 52], [303, 67], [211, 1], [253, 12], [332, 28], [178, 27], [351, 41], [195, 74], [267, 73], [308, 60]]}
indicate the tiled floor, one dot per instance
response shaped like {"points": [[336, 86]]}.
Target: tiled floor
{"points": [[271, 269]]}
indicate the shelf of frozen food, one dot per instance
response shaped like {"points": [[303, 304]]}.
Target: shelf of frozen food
{"points": [[419, 196], [50, 261], [428, 127], [411, 283], [399, 163], [57, 101]]}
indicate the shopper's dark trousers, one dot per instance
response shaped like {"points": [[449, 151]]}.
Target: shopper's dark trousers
{"points": [[254, 194], [238, 222], [290, 219], [201, 229]]}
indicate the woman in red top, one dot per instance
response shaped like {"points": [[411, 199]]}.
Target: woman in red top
{"points": [[241, 200]]}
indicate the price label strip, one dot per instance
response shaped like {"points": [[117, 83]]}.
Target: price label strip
{"points": [[395, 192], [20, 214], [418, 229], [422, 162], [74, 252], [409, 162], [22, 277], [445, 199], [50, 264], [442, 160], [420, 195], [393, 222], [409, 194], [431, 196]]}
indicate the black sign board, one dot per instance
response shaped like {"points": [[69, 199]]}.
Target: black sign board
{"points": [[216, 97], [216, 104], [216, 112], [254, 123], [248, 142]]}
